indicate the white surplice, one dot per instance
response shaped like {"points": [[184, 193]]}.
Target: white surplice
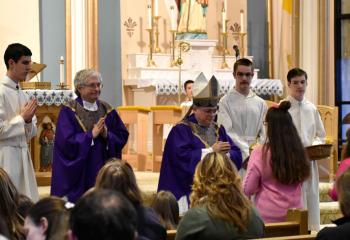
{"points": [[308, 122], [242, 117], [14, 134]]}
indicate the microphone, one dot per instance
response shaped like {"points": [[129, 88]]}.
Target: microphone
{"points": [[236, 49]]}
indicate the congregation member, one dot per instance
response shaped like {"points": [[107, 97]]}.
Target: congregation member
{"points": [[89, 131], [103, 214], [166, 207], [309, 125], [9, 198], [276, 170], [17, 121], [118, 175], [193, 138], [241, 111], [344, 165], [47, 220], [219, 208], [188, 87], [342, 230]]}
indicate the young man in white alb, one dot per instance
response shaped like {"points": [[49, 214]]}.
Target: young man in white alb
{"points": [[308, 122], [241, 111]]}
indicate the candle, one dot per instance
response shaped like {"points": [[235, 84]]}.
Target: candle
{"points": [[62, 70], [155, 8], [173, 18], [242, 26], [149, 10], [225, 5], [223, 21]]}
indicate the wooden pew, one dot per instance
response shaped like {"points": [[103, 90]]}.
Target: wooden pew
{"points": [[296, 224], [296, 237], [170, 234]]}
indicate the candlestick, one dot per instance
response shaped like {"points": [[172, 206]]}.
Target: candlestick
{"points": [[173, 19], [149, 10], [223, 21], [173, 62], [150, 62], [62, 70], [224, 40], [156, 49], [155, 2], [242, 26]]}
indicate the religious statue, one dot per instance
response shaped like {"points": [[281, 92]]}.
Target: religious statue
{"points": [[192, 23], [47, 137]]}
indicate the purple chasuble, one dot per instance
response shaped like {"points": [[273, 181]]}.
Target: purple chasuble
{"points": [[76, 161], [182, 152]]}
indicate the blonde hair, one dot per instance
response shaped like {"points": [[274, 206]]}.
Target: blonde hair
{"points": [[343, 187], [217, 185]]}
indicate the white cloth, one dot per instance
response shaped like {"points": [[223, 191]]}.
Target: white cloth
{"points": [[14, 134], [308, 122], [242, 117], [90, 106], [186, 104]]}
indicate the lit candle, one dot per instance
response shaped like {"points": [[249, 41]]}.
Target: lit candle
{"points": [[62, 70], [149, 10], [225, 5], [223, 21], [172, 18], [242, 26], [155, 8]]}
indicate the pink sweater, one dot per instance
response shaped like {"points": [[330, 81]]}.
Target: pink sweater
{"points": [[345, 164], [272, 198]]}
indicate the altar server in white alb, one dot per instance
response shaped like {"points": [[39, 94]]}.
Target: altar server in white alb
{"points": [[17, 121], [308, 122], [241, 111]]}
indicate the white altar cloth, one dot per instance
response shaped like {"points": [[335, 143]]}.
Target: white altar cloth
{"points": [[50, 97]]}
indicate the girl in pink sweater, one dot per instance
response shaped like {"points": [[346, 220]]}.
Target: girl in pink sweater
{"points": [[344, 165], [277, 169]]}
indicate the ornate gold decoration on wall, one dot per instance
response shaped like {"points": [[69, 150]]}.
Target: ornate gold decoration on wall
{"points": [[130, 26]]}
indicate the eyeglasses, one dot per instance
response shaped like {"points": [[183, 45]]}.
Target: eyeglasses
{"points": [[93, 85], [247, 74]]}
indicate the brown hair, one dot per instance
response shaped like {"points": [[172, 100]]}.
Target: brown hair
{"points": [[343, 187], [9, 198], [243, 62], [165, 205], [296, 72], [118, 175], [53, 209], [288, 157], [217, 186]]}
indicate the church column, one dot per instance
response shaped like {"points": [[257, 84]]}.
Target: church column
{"points": [[309, 41]]}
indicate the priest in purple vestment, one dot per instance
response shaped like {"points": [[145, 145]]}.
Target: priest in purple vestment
{"points": [[89, 131], [191, 139]]}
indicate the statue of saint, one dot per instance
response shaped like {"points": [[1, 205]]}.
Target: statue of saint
{"points": [[47, 137], [192, 23]]}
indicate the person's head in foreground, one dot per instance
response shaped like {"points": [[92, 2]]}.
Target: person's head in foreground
{"points": [[290, 164], [167, 208], [217, 185], [47, 219], [103, 214]]}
